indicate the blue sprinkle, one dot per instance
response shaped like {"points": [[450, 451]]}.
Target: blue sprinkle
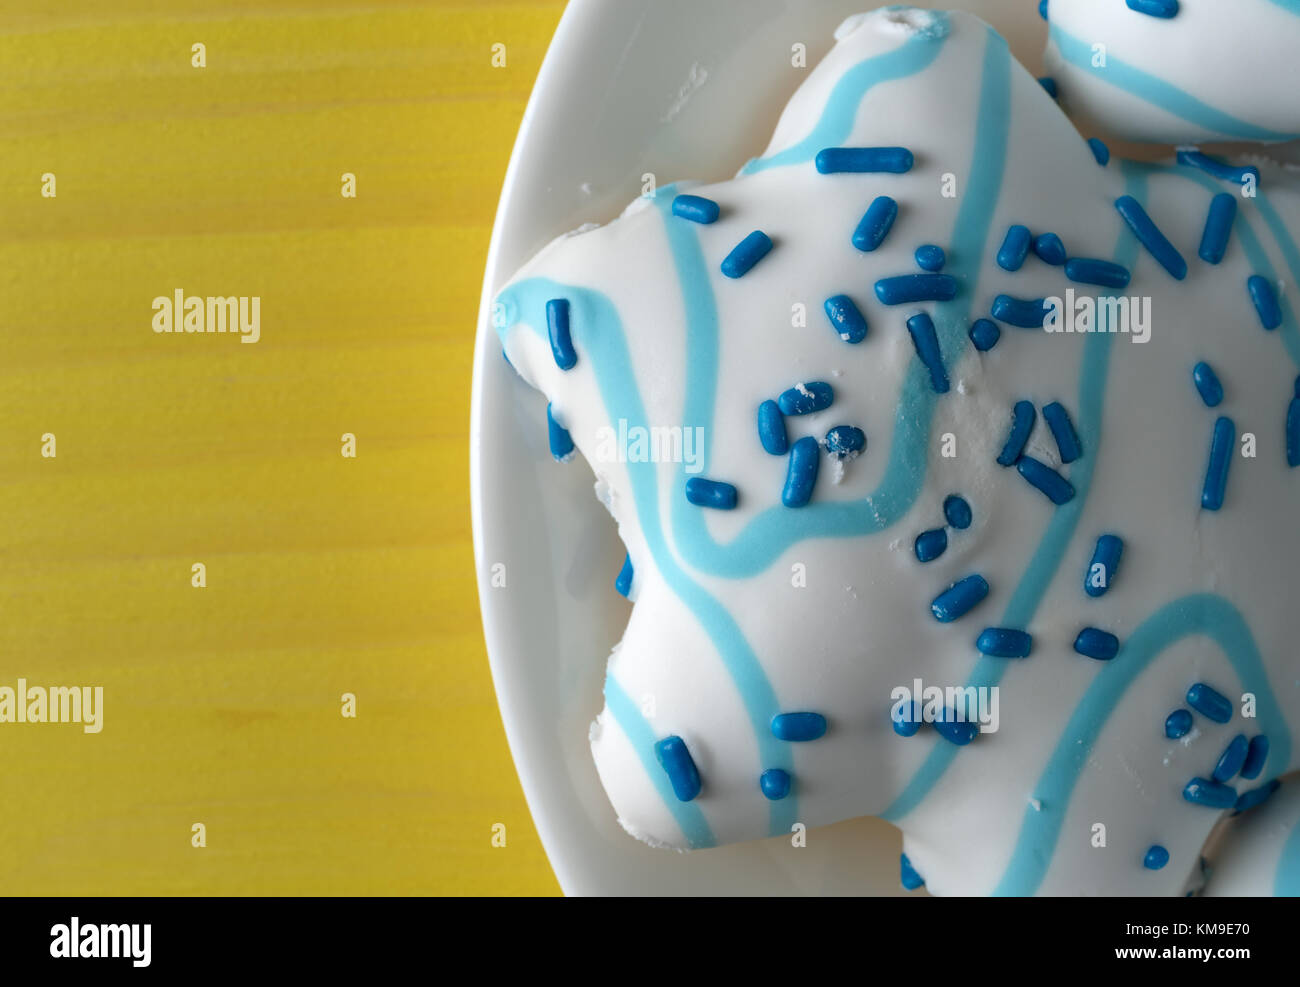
{"points": [[845, 441], [1209, 703], [833, 160], [876, 224], [1293, 433], [1265, 299], [775, 784], [908, 722], [907, 289], [957, 512], [959, 599], [798, 727], [557, 325], [624, 581], [696, 208], [507, 359], [954, 730], [1004, 642], [1256, 755], [1095, 643], [1207, 383], [746, 254], [1232, 758], [801, 476], [1178, 724], [907, 874], [984, 334], [1218, 228], [1067, 439], [926, 340], [558, 436], [1022, 423], [1256, 796], [930, 258], [677, 762], [1084, 270], [1150, 236], [711, 493], [846, 318], [771, 429], [1048, 83], [1022, 312], [1213, 794], [1155, 8], [1099, 150], [804, 399], [1049, 249], [1105, 565], [1042, 9], [1015, 248], [1217, 168], [1216, 474], [1052, 484], [931, 544], [1156, 857]]}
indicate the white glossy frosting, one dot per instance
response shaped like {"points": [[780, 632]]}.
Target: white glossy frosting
{"points": [[1216, 71], [743, 614]]}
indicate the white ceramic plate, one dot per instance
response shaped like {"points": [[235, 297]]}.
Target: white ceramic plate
{"points": [[682, 89]]}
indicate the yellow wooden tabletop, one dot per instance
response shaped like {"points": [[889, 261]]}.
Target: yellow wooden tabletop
{"points": [[133, 164]]}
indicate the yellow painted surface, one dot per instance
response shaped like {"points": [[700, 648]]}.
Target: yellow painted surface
{"points": [[325, 574]]}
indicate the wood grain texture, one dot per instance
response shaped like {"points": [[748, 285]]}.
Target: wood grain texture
{"points": [[325, 575]]}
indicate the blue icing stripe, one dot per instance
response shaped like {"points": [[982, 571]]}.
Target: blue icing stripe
{"points": [[841, 110], [1159, 92], [894, 160], [623, 583], [1218, 228], [690, 820], [1205, 614], [1286, 883], [1038, 574], [1290, 6]]}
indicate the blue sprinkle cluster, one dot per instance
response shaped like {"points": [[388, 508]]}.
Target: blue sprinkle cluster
{"points": [[933, 543]]}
